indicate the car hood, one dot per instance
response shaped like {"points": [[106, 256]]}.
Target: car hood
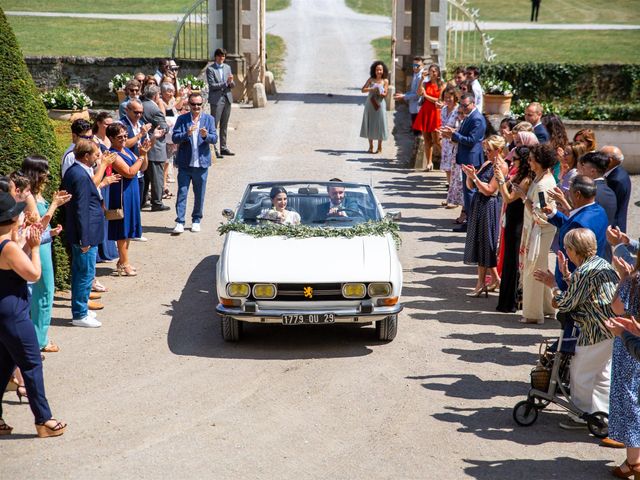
{"points": [[318, 259]]}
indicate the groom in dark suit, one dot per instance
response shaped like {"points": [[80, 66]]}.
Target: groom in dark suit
{"points": [[469, 139], [338, 205]]}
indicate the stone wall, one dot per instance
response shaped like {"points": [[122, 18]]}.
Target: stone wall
{"points": [[625, 135], [92, 74]]}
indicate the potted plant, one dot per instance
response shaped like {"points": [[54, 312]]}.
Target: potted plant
{"points": [[117, 84], [192, 83], [497, 97], [64, 103]]}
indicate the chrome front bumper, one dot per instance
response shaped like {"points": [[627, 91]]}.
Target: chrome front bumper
{"points": [[365, 312]]}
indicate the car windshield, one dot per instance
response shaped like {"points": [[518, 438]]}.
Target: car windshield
{"points": [[332, 204]]}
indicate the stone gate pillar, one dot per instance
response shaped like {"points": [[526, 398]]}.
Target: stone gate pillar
{"points": [[231, 34]]}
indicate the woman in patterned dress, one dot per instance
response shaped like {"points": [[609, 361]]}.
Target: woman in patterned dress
{"points": [[484, 217], [454, 195], [624, 412], [591, 289], [449, 118]]}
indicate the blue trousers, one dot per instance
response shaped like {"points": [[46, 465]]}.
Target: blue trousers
{"points": [[198, 177], [83, 269], [19, 347]]}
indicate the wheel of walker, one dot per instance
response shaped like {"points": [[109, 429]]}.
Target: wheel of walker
{"points": [[598, 424], [525, 413]]}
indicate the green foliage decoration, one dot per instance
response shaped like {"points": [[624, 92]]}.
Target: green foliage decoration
{"points": [[271, 229], [26, 128]]}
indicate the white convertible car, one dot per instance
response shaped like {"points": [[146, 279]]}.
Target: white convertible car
{"points": [[309, 253]]}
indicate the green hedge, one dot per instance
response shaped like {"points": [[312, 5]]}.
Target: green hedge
{"points": [[25, 127], [584, 110], [557, 81]]}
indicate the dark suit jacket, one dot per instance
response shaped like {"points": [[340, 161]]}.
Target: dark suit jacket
{"points": [[350, 205], [153, 115], [607, 199], [469, 139], [592, 217], [618, 181], [541, 133], [84, 224], [182, 138]]}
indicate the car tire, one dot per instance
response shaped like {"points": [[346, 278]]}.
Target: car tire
{"points": [[231, 329], [386, 329]]}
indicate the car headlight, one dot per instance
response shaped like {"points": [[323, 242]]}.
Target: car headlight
{"points": [[354, 290], [264, 291], [380, 289], [238, 290]]}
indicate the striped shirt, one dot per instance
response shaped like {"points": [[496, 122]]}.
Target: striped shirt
{"points": [[588, 298]]}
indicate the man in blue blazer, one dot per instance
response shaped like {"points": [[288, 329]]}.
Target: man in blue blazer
{"points": [[469, 139], [594, 165], [618, 180], [533, 115], [586, 213], [84, 229], [194, 133]]}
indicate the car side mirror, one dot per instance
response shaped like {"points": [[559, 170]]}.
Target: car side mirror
{"points": [[228, 214], [393, 215]]}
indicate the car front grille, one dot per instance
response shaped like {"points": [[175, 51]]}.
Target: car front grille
{"points": [[295, 292]]}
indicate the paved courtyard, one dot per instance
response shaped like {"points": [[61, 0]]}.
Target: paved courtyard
{"points": [[156, 393]]}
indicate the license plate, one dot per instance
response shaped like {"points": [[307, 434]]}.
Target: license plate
{"points": [[310, 318]]}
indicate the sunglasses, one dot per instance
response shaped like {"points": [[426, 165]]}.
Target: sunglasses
{"points": [[86, 137], [137, 112], [122, 137], [195, 104]]}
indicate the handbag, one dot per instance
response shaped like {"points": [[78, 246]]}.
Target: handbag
{"points": [[116, 213]]}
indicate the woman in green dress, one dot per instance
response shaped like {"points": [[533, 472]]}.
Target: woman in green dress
{"points": [[38, 210]]}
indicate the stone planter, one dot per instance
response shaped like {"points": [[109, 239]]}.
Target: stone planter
{"points": [[496, 104], [68, 115], [121, 95]]}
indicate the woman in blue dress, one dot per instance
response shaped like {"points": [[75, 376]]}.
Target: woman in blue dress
{"points": [[624, 401], [18, 341], [125, 194]]}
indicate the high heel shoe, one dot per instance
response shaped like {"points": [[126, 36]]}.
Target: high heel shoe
{"points": [[478, 292], [125, 271], [19, 390], [429, 167], [45, 431], [620, 473], [492, 287], [379, 150]]}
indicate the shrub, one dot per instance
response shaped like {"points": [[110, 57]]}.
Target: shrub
{"points": [[119, 81], [557, 81], [26, 129]]}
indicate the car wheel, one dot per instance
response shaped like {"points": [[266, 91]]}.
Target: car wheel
{"points": [[231, 329], [386, 329]]}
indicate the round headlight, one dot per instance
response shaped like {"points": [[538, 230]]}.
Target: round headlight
{"points": [[380, 289], [354, 290], [238, 290], [264, 290]]}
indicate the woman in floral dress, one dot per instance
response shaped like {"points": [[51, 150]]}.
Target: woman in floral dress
{"points": [[449, 117]]}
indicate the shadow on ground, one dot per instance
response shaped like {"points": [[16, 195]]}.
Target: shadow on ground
{"points": [[195, 329], [561, 467]]}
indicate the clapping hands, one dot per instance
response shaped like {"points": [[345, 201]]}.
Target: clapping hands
{"points": [[60, 198], [622, 267], [145, 147], [618, 325], [615, 236]]}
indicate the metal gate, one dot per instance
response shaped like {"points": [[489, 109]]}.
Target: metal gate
{"points": [[466, 42], [191, 41]]}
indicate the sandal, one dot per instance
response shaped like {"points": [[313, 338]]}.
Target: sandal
{"points": [[629, 469], [51, 348], [4, 428], [98, 287], [46, 431], [125, 271], [167, 194]]}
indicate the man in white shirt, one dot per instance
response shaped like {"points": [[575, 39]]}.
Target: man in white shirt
{"points": [[80, 129], [473, 75]]}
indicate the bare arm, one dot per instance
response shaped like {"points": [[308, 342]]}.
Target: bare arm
{"points": [[28, 268], [366, 88]]}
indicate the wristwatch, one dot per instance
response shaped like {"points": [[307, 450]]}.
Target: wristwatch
{"points": [[501, 182]]}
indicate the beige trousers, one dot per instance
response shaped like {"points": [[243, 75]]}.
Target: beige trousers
{"points": [[536, 297]]}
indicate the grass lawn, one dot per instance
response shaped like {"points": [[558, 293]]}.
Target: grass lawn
{"points": [[560, 11], [273, 5], [106, 6], [374, 7], [559, 46], [276, 49], [99, 38], [382, 48], [567, 46]]}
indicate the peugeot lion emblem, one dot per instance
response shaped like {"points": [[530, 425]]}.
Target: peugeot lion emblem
{"points": [[308, 292]]}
